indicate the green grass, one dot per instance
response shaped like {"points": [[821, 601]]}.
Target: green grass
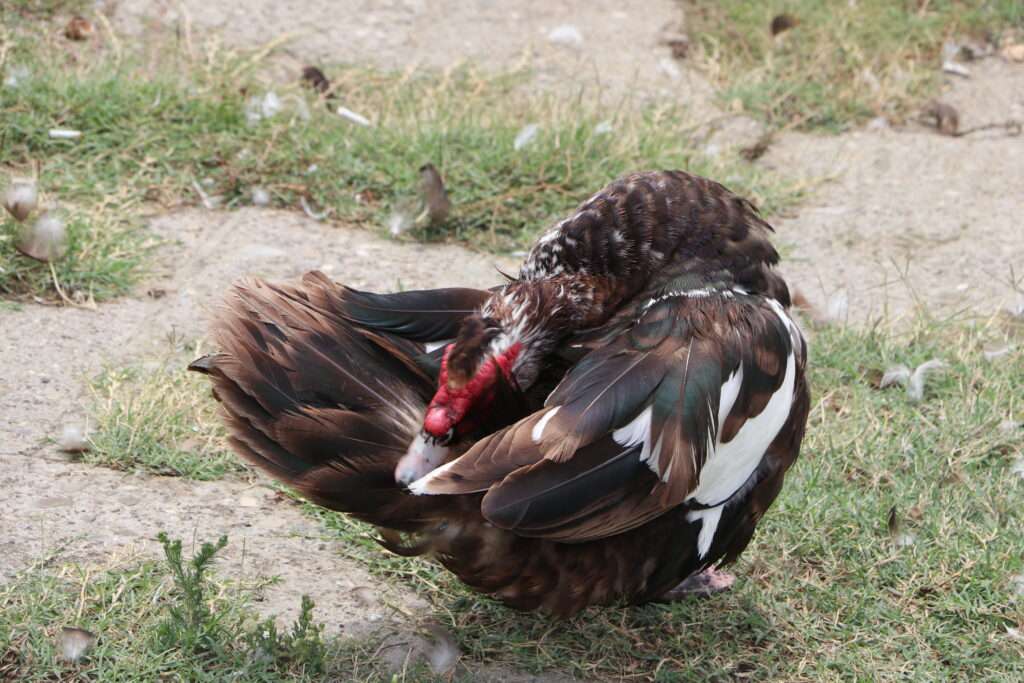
{"points": [[160, 420], [170, 620], [150, 135], [103, 258], [844, 62], [14, 9], [826, 593]]}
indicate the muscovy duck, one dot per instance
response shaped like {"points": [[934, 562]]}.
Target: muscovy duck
{"points": [[607, 427]]}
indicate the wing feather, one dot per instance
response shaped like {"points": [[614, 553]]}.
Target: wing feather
{"points": [[631, 429]]}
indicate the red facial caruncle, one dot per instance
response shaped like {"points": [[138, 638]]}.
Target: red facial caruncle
{"points": [[451, 404]]}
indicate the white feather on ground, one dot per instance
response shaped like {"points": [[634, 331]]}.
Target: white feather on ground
{"points": [[443, 652], [915, 387], [914, 380], [567, 35], [1018, 467], [996, 354], [260, 197], [21, 198], [838, 309], [73, 439], [349, 115], [44, 240], [74, 643], [897, 374], [525, 136]]}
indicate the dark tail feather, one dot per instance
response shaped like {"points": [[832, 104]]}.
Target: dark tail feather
{"points": [[427, 315], [319, 403]]}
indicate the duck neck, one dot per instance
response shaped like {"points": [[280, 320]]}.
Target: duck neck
{"points": [[537, 315]]}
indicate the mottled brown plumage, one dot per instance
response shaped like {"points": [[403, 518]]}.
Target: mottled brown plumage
{"points": [[613, 421]]}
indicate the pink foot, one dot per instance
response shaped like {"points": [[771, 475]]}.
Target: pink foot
{"points": [[705, 583]]}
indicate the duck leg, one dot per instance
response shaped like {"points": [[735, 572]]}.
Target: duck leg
{"points": [[701, 584]]}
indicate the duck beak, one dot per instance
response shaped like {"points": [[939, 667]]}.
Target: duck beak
{"points": [[425, 454]]}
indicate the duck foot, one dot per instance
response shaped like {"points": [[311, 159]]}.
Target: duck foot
{"points": [[705, 583]]}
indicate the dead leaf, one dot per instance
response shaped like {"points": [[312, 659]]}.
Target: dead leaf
{"points": [[314, 78], [782, 23], [679, 45], [944, 117], [433, 195], [757, 150], [79, 28], [893, 522]]}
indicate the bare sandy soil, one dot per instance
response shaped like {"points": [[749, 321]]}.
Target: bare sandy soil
{"points": [[904, 211], [912, 216]]}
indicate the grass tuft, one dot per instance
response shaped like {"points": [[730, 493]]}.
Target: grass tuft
{"points": [[184, 133], [103, 258], [844, 62], [162, 421], [153, 621]]}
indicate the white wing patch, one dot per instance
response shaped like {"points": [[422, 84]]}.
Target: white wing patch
{"points": [[709, 518], [730, 392], [732, 463], [538, 429], [639, 431]]}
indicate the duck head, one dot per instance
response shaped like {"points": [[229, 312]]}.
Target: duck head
{"points": [[489, 356]]}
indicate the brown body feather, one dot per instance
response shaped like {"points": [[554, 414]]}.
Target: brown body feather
{"points": [[650, 301]]}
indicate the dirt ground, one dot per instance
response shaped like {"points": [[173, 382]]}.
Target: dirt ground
{"points": [[905, 215], [911, 216], [896, 217]]}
